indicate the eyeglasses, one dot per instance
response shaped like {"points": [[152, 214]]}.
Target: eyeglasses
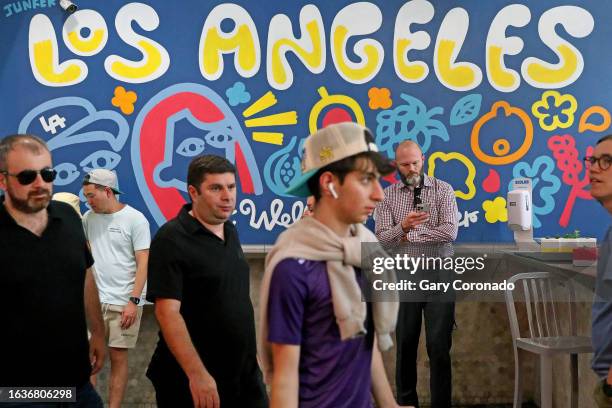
{"points": [[604, 161], [417, 196], [26, 177]]}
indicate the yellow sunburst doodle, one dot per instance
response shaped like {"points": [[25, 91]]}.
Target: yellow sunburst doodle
{"points": [[278, 119]]}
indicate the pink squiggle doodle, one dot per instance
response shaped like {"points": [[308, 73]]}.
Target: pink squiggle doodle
{"points": [[568, 161]]}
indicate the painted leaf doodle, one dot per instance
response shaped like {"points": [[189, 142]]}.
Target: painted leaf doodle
{"points": [[465, 109], [281, 169], [410, 121]]}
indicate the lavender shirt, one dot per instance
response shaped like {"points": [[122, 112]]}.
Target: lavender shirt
{"points": [[333, 373]]}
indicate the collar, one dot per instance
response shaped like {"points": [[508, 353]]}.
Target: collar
{"points": [[193, 226], [427, 182]]}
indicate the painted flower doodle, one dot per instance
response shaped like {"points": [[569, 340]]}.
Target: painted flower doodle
{"points": [[124, 100], [567, 157], [554, 110], [380, 98], [237, 94], [544, 183], [411, 121], [495, 210]]}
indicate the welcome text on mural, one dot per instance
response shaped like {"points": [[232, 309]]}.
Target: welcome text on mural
{"points": [[355, 20]]}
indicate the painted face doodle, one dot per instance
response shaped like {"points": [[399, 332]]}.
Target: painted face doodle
{"points": [[178, 123], [68, 121]]}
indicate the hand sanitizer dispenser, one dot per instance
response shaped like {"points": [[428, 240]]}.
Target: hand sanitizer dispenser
{"points": [[520, 213], [519, 210]]}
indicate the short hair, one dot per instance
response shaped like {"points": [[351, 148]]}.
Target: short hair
{"points": [[357, 162], [97, 186], [207, 164], [604, 139], [31, 142]]}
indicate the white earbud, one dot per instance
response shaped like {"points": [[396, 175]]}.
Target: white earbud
{"points": [[332, 190]]}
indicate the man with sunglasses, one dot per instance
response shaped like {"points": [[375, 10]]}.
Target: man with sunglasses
{"points": [[417, 217], [46, 286], [600, 171], [119, 237]]}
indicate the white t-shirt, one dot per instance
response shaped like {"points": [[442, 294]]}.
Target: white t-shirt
{"points": [[114, 238]]}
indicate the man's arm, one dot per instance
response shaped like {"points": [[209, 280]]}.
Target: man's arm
{"points": [[202, 385], [386, 230], [447, 228], [285, 380], [128, 316], [380, 385], [93, 313]]}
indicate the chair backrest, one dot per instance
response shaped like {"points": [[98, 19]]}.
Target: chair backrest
{"points": [[544, 295]]}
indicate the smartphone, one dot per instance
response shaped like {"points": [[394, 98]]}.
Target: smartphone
{"points": [[422, 207]]}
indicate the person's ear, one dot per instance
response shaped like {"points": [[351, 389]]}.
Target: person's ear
{"points": [[193, 192]]}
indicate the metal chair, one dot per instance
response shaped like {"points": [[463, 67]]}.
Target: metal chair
{"points": [[545, 336]]}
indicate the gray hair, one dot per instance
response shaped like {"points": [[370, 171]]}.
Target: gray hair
{"points": [[33, 143]]}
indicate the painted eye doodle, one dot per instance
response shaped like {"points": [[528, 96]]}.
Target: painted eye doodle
{"points": [[66, 174], [158, 129], [191, 147], [102, 159], [281, 169], [220, 138]]}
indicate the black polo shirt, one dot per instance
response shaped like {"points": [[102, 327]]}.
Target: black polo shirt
{"points": [[43, 335], [210, 277]]}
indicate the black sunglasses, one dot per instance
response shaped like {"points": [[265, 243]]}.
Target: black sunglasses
{"points": [[26, 177]]}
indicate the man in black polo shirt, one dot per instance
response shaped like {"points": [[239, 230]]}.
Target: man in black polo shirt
{"points": [[199, 281], [43, 280]]}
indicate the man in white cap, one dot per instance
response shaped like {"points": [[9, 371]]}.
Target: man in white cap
{"points": [[320, 342], [119, 237]]}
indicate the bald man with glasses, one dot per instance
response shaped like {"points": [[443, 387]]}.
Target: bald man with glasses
{"points": [[47, 291]]}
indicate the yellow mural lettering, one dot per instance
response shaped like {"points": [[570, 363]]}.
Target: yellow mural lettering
{"points": [[578, 23], [152, 60], [404, 40], [73, 30], [155, 59], [44, 56], [350, 22], [498, 73], [216, 45], [86, 46], [408, 71], [242, 41], [458, 76], [312, 58], [358, 75], [310, 48], [469, 180], [544, 75]]}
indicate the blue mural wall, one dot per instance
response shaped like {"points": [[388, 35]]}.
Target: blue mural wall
{"points": [[490, 90]]}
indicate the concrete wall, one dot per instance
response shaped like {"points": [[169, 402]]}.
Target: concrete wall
{"points": [[482, 356]]}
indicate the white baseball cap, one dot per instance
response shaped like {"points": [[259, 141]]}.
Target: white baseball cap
{"points": [[328, 145], [103, 177]]}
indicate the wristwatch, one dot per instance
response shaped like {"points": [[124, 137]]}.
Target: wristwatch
{"points": [[134, 300], [607, 388]]}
